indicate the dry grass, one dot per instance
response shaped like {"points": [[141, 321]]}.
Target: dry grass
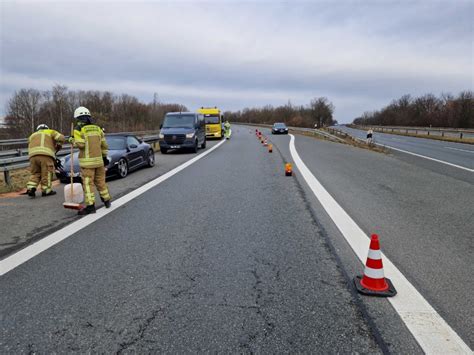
{"points": [[19, 178], [348, 140]]}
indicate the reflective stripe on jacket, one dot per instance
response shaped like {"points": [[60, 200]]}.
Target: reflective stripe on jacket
{"points": [[44, 142], [92, 145]]}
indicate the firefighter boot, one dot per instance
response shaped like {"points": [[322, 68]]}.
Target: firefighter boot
{"points": [[31, 192], [107, 203], [51, 193], [87, 210]]}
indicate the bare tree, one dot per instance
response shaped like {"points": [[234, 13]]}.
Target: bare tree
{"points": [[321, 111], [23, 108]]}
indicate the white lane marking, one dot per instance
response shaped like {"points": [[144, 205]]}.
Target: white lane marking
{"points": [[434, 335], [31, 251], [425, 157], [461, 150]]}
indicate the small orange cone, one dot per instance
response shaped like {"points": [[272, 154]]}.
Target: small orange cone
{"points": [[373, 282], [270, 148], [288, 169]]}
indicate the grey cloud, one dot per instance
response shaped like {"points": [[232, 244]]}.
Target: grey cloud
{"points": [[354, 53]]}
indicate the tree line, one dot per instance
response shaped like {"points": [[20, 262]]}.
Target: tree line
{"points": [[28, 108], [424, 111], [319, 111]]}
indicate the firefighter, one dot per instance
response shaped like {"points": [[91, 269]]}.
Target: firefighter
{"points": [[93, 149], [42, 148], [227, 131]]}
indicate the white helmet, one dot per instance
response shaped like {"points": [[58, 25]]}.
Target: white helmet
{"points": [[42, 126], [81, 111]]}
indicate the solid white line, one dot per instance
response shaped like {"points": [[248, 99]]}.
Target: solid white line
{"points": [[431, 331], [461, 150], [423, 156], [31, 251]]}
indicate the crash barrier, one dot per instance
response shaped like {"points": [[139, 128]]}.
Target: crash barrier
{"points": [[440, 132], [18, 158]]}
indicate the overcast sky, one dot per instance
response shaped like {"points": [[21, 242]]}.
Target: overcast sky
{"points": [[359, 54]]}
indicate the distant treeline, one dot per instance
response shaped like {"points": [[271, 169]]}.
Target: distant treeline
{"points": [[425, 111], [319, 111], [27, 108]]}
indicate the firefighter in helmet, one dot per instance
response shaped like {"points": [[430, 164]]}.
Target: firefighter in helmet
{"points": [[93, 149], [42, 147]]}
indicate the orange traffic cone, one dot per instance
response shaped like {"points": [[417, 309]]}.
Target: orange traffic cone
{"points": [[265, 143], [288, 169], [270, 148], [373, 282]]}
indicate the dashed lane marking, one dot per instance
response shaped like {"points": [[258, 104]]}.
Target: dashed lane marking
{"points": [[12, 261], [434, 335]]}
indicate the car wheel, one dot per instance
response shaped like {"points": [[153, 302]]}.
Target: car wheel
{"points": [[122, 168], [163, 150], [203, 145], [150, 158], [196, 147]]}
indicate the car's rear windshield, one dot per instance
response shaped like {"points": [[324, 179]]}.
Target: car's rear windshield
{"points": [[212, 119], [279, 125], [179, 121], [116, 142]]}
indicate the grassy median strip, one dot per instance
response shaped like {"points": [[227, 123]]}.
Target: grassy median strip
{"points": [[347, 139]]}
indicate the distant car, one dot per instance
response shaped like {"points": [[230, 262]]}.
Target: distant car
{"points": [[279, 128], [182, 130], [126, 153]]}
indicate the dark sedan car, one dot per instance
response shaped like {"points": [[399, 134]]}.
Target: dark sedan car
{"points": [[126, 153], [279, 128]]}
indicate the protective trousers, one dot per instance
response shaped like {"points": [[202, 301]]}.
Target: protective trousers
{"points": [[42, 169], [91, 177]]}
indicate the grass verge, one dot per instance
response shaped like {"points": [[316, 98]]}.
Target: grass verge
{"points": [[19, 178], [347, 140]]}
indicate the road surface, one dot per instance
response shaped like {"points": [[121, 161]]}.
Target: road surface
{"points": [[459, 154], [230, 255]]}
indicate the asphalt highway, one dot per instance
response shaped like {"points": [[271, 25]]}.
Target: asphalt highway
{"points": [[28, 220], [454, 153], [425, 218], [226, 256], [230, 255]]}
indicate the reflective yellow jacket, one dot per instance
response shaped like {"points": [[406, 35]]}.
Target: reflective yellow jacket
{"points": [[44, 142], [90, 140]]}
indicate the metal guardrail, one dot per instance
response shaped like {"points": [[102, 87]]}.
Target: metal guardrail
{"points": [[18, 158], [434, 131]]}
